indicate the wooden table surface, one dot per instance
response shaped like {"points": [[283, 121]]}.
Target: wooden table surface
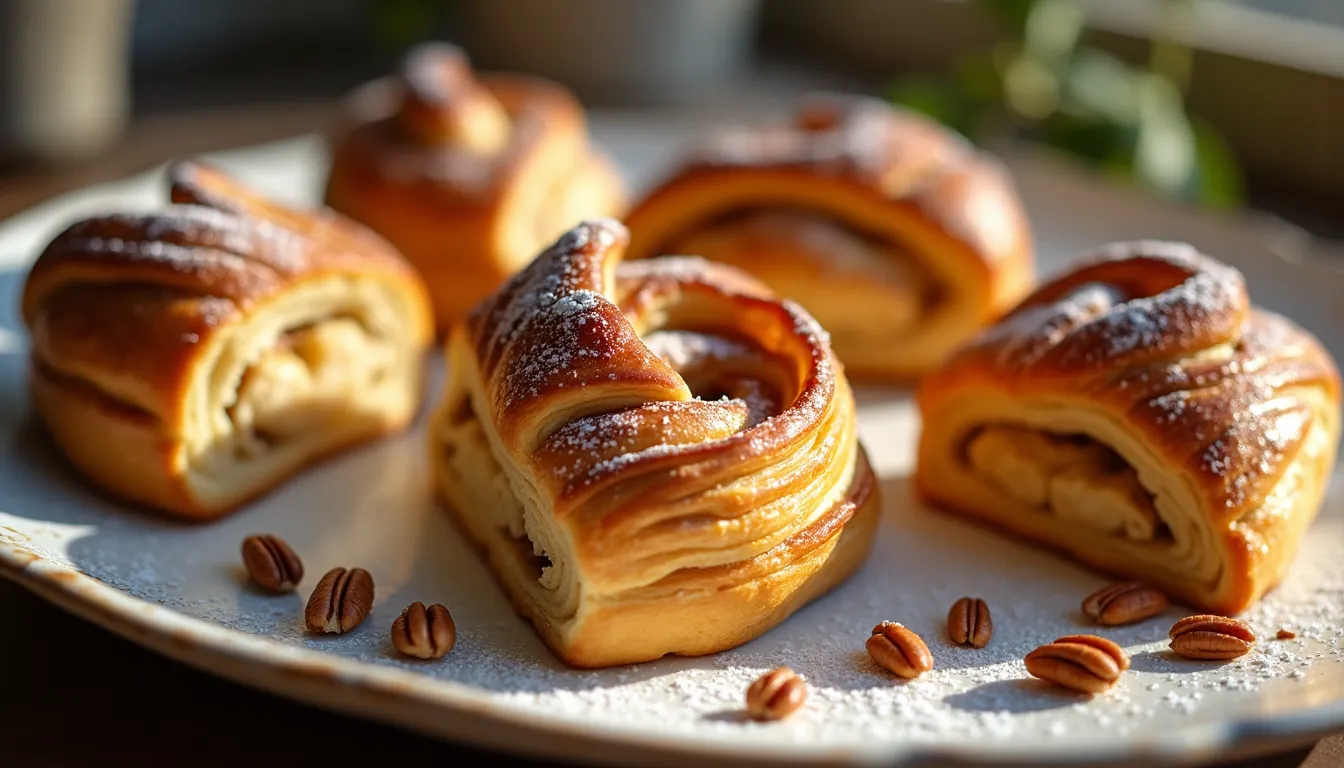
{"points": [[77, 695]]}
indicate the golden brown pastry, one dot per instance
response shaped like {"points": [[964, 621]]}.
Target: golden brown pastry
{"points": [[192, 358], [1138, 414], [897, 236], [469, 177], [658, 457]]}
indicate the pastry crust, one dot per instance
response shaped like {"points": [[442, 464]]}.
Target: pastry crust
{"points": [[192, 358], [1139, 414], [657, 458], [899, 237], [468, 177]]}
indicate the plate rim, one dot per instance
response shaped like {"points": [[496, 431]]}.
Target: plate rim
{"points": [[335, 683]]}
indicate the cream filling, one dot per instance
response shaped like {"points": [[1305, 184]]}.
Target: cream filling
{"points": [[318, 367], [1075, 479]]}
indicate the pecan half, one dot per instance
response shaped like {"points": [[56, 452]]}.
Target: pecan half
{"points": [[1085, 663], [271, 564], [1211, 637], [1124, 603], [776, 694], [340, 601], [969, 622], [899, 651], [425, 633]]}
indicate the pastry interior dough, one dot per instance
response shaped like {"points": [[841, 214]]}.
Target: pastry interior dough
{"points": [[657, 458], [191, 358], [1140, 415], [470, 177], [899, 237]]}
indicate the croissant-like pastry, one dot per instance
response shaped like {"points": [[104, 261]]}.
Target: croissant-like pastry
{"points": [[897, 236], [1138, 414], [469, 178], [190, 359], [657, 458]]}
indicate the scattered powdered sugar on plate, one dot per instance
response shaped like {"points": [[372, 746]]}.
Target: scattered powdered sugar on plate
{"points": [[368, 509]]}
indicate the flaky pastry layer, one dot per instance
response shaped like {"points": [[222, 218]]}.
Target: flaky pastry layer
{"points": [[898, 236], [469, 178], [1138, 414], [192, 358], [657, 457]]}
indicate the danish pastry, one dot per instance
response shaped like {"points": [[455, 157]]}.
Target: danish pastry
{"points": [[895, 234], [190, 359], [468, 177], [657, 457], [1139, 414]]}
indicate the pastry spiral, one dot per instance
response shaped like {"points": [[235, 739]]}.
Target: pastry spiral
{"points": [[1139, 414], [468, 177], [191, 358], [657, 458], [895, 234]]}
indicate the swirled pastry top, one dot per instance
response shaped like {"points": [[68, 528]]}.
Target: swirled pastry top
{"points": [[576, 388], [468, 176], [218, 253], [897, 235], [460, 138], [869, 147], [658, 457], [1167, 337]]}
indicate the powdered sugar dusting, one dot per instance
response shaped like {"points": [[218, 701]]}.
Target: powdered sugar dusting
{"points": [[358, 511]]}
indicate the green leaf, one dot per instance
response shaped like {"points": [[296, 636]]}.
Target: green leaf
{"points": [[1052, 30], [1099, 84], [1165, 153], [1012, 14], [936, 99], [1219, 180]]}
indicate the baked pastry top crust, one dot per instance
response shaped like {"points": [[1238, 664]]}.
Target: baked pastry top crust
{"points": [[1205, 428], [468, 175], [895, 233], [190, 358], [658, 457]]}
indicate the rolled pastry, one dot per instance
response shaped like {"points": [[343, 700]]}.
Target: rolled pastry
{"points": [[657, 458], [192, 358], [897, 236], [469, 177], [1138, 414]]}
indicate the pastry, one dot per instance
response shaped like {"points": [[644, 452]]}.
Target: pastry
{"points": [[656, 458], [897, 236], [191, 358], [1140, 415], [469, 177]]}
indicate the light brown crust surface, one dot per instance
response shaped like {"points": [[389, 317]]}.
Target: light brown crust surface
{"points": [[123, 310], [889, 175], [468, 177], [685, 525], [1163, 343]]}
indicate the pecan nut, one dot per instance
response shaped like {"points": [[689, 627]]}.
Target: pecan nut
{"points": [[340, 601], [271, 564], [1124, 603], [1211, 637], [425, 633], [1085, 663], [969, 622], [899, 651], [776, 694]]}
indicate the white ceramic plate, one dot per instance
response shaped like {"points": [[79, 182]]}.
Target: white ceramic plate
{"points": [[178, 589]]}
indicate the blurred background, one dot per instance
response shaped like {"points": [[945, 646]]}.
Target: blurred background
{"points": [[1215, 103]]}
